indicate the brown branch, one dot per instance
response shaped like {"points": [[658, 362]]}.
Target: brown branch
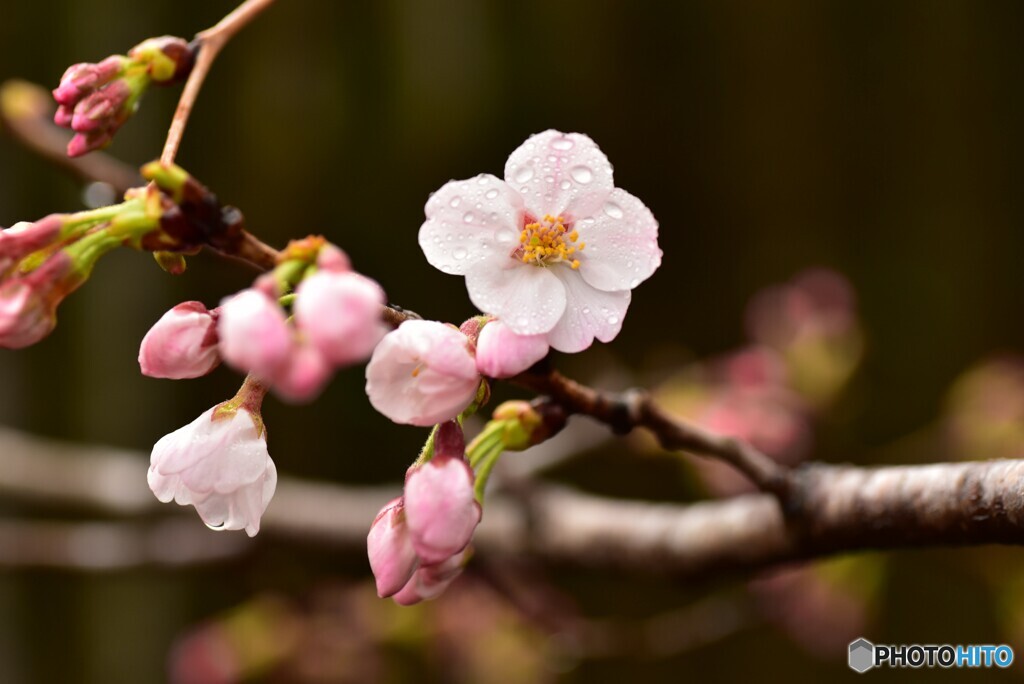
{"points": [[209, 43], [836, 509], [635, 408]]}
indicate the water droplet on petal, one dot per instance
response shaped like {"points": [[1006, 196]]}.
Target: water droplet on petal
{"points": [[562, 144], [523, 174], [633, 283], [581, 174], [455, 201], [491, 194], [613, 210], [468, 217], [460, 253], [522, 321], [505, 236], [612, 320], [565, 185], [586, 311], [216, 526]]}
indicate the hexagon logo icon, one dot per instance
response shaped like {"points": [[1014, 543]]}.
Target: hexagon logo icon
{"points": [[862, 655]]}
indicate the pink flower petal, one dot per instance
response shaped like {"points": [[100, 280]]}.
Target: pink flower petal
{"points": [[622, 244], [529, 299], [560, 174], [589, 313], [470, 221]]}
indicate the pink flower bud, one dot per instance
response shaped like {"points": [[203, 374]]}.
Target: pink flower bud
{"points": [[331, 258], [303, 375], [430, 581], [389, 548], [182, 344], [81, 79], [24, 318], [341, 315], [83, 143], [500, 353], [422, 373], [441, 508], [254, 334], [218, 463], [28, 304], [23, 238], [64, 116]]}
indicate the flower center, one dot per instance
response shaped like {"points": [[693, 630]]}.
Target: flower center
{"points": [[549, 241]]}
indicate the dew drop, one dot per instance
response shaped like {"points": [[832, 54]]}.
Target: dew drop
{"points": [[216, 526], [468, 217], [455, 201], [586, 311], [505, 236], [491, 194], [522, 321], [633, 283], [460, 253], [523, 174], [581, 174], [565, 185], [612, 320], [562, 144], [613, 210]]}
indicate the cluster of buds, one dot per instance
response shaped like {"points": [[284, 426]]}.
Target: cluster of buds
{"points": [[335, 321], [41, 263], [95, 100], [418, 543]]}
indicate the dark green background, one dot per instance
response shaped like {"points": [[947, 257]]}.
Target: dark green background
{"points": [[882, 139]]}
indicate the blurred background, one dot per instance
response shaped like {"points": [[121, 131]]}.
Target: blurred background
{"points": [[837, 188]]}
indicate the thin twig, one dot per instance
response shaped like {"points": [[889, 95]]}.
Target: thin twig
{"points": [[635, 408], [208, 43]]}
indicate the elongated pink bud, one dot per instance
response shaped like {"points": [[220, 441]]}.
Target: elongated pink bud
{"points": [[441, 508], [390, 550], [430, 581]]}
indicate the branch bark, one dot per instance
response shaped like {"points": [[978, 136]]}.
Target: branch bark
{"points": [[834, 509]]}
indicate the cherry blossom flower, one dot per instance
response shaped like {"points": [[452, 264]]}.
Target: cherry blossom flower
{"points": [[182, 344], [500, 353], [389, 547], [553, 249], [218, 463], [422, 373]]}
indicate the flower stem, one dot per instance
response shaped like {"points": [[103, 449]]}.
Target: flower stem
{"points": [[209, 43]]}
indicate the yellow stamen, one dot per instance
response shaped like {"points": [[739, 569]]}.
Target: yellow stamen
{"points": [[549, 241]]}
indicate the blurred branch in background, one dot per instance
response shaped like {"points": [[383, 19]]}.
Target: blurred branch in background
{"points": [[835, 509], [26, 114]]}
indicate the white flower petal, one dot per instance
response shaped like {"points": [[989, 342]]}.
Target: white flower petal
{"points": [[560, 174], [469, 221], [529, 299], [622, 243], [589, 313]]}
